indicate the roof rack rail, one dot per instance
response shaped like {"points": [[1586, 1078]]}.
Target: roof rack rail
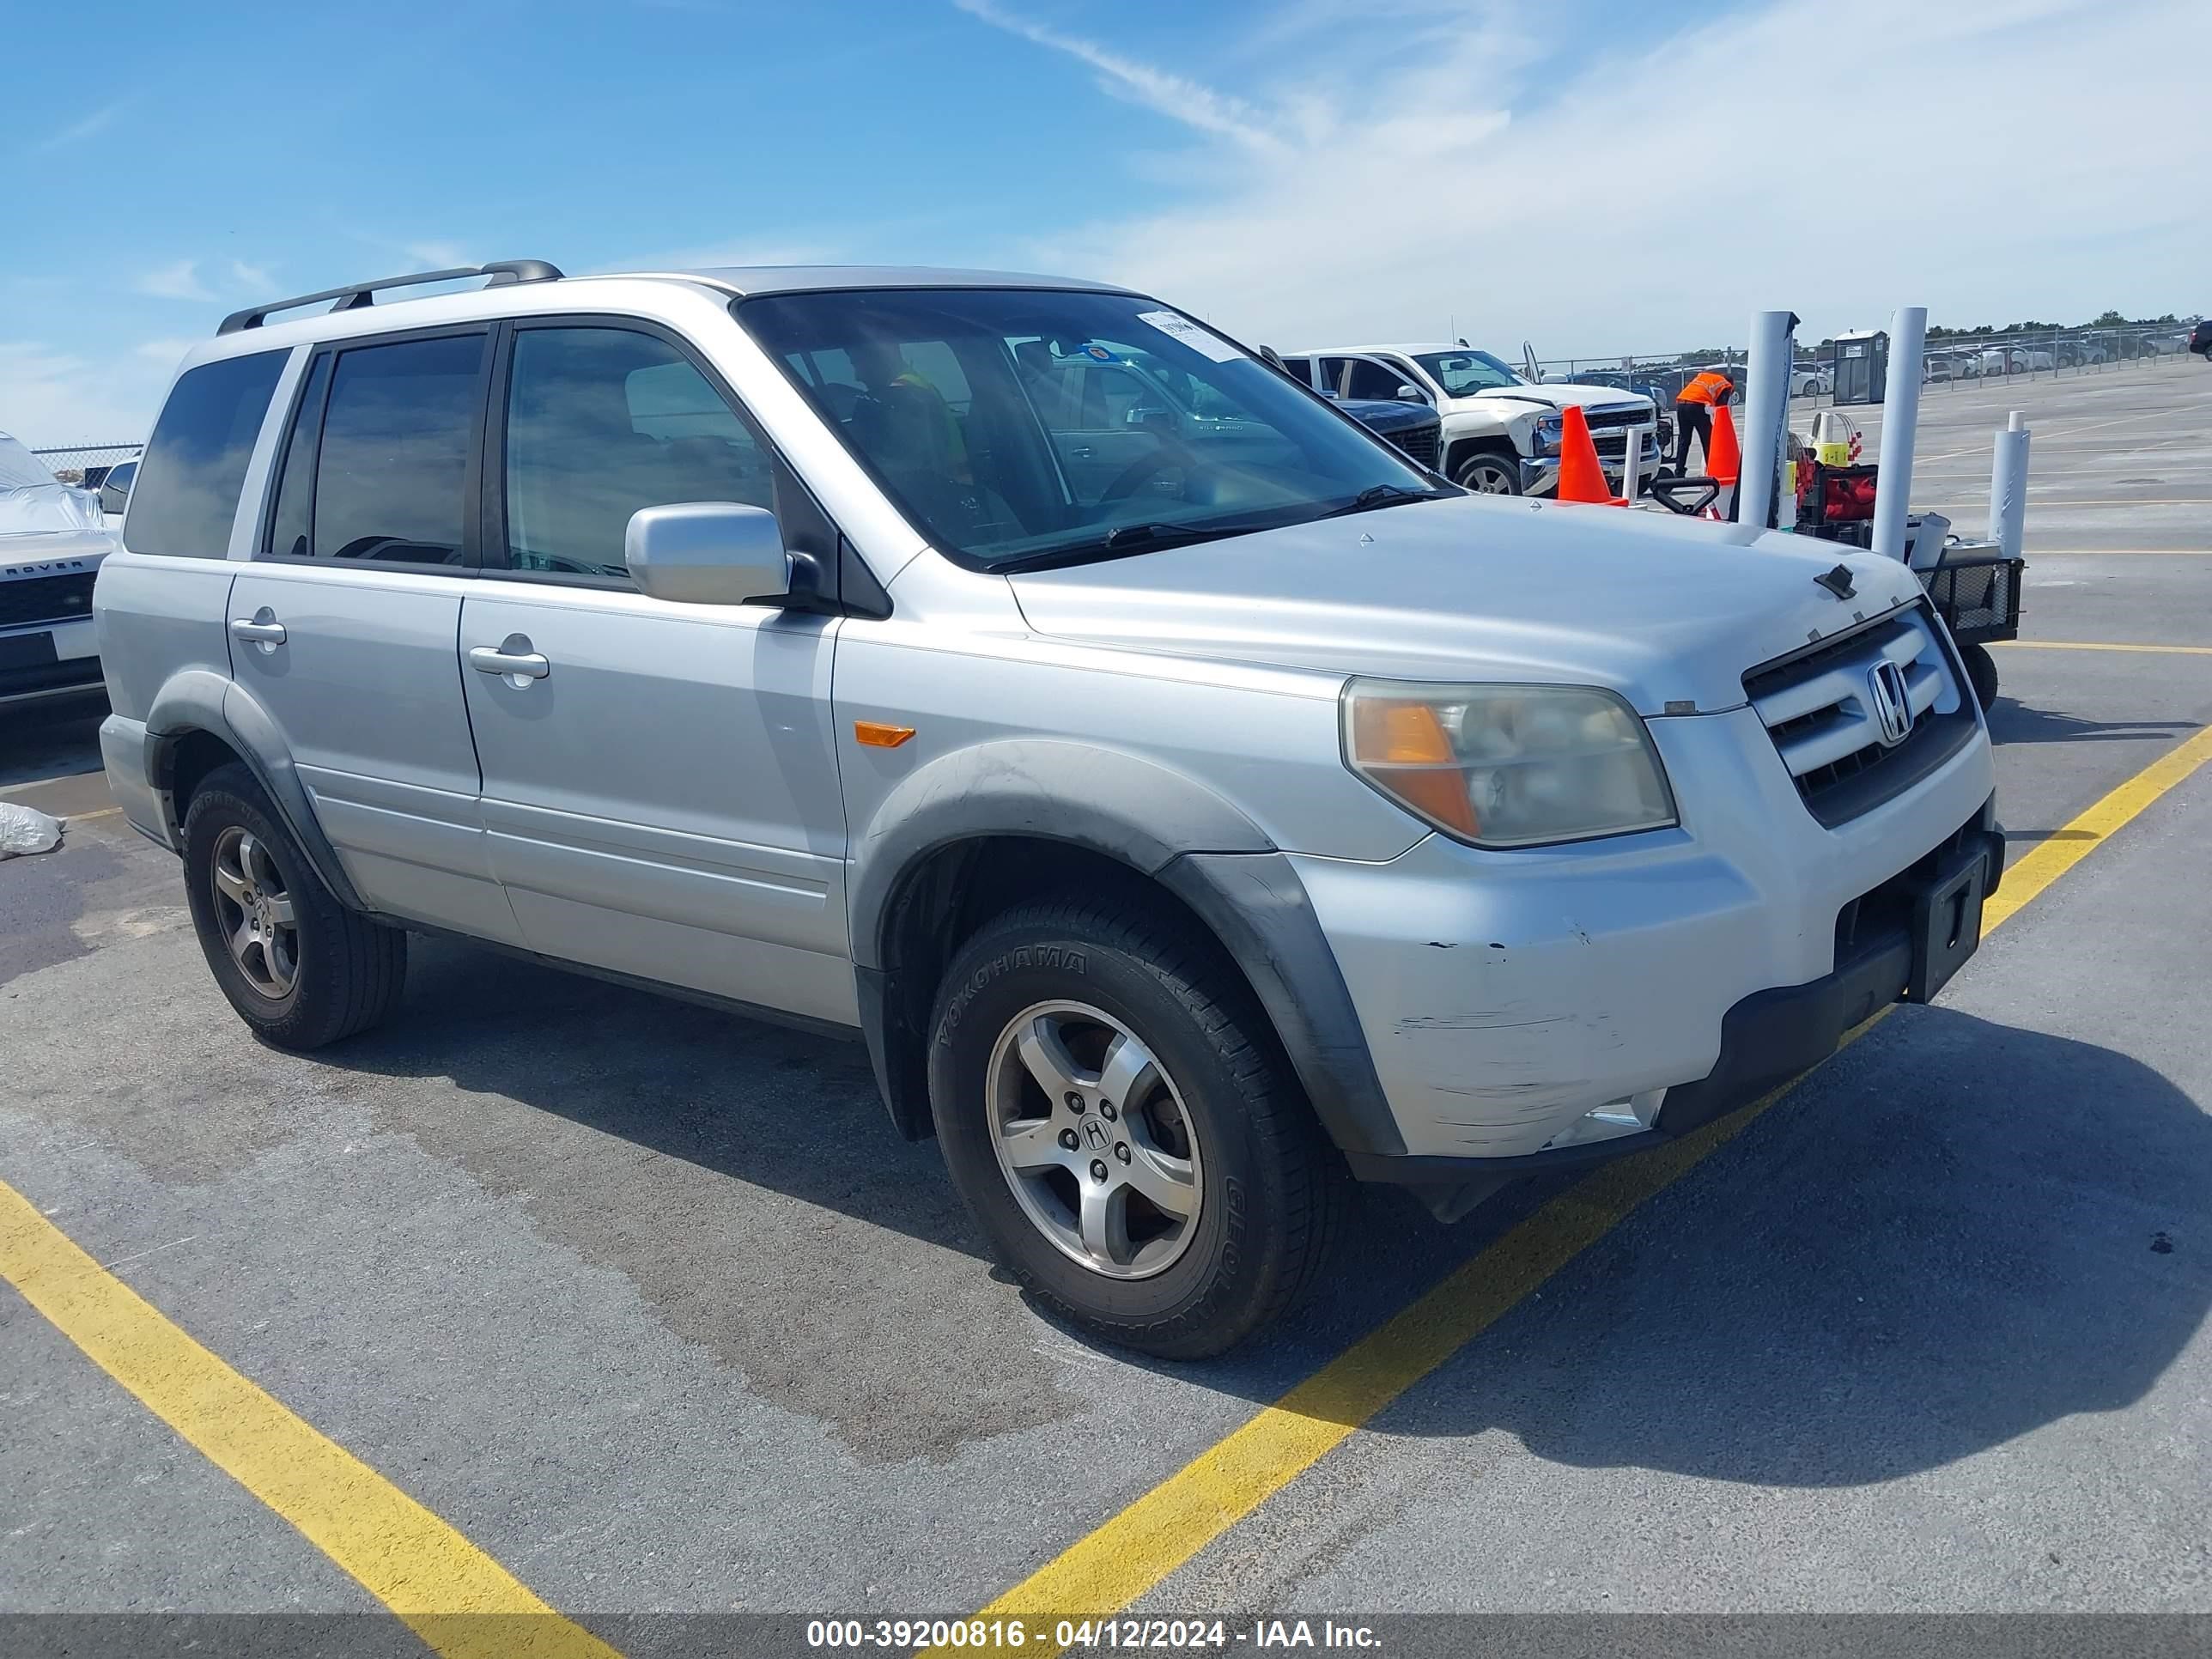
{"points": [[356, 295]]}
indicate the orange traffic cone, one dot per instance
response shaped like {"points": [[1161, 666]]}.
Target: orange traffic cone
{"points": [[1581, 478], [1725, 463]]}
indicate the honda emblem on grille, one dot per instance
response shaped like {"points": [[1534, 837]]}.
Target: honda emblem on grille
{"points": [[1892, 706]]}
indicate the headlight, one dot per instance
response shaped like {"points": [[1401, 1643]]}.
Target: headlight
{"points": [[1507, 765], [1549, 429]]}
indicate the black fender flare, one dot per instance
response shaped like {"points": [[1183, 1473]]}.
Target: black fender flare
{"points": [[1161, 823], [201, 700]]}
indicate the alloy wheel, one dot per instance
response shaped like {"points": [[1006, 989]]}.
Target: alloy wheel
{"points": [[253, 908], [1094, 1140]]}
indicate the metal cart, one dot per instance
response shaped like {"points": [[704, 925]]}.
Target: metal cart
{"points": [[1974, 587]]}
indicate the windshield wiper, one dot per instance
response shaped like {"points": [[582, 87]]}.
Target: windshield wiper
{"points": [[1123, 540], [1381, 494]]}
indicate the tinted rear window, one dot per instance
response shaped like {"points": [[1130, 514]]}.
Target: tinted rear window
{"points": [[390, 483], [187, 493]]}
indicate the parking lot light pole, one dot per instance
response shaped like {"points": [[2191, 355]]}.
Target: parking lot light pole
{"points": [[1766, 413], [1900, 419]]}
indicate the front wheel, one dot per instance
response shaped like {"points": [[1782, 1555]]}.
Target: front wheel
{"points": [[1115, 1116], [1488, 475]]}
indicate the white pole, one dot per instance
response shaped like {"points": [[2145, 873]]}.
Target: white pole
{"points": [[1632, 461], [1765, 414], [1901, 420], [2008, 487]]}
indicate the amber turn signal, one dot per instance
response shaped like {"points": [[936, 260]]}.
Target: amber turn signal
{"points": [[876, 735]]}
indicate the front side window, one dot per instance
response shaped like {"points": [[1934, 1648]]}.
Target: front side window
{"points": [[1029, 426], [195, 463], [601, 421], [390, 480], [1370, 378], [1462, 374]]}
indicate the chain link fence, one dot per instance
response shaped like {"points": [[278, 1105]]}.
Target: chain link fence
{"points": [[1949, 359], [86, 464]]}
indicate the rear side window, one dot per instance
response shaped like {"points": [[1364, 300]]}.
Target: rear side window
{"points": [[295, 483], [186, 494], [392, 472]]}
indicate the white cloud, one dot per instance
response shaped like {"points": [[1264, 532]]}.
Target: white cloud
{"points": [[243, 274], [438, 256], [706, 255], [180, 281], [50, 398], [1652, 202], [1171, 95], [167, 352], [98, 120]]}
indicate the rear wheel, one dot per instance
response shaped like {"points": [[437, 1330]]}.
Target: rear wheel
{"points": [[1488, 474], [299, 967], [1114, 1114]]}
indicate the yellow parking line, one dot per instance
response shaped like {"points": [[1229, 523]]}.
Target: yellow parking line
{"points": [[2044, 862], [1104, 1572], [429, 1574], [2099, 645]]}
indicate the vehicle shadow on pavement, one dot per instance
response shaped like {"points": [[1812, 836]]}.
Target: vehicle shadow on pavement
{"points": [[1914, 1258], [2013, 721], [521, 1072], [1911, 1258]]}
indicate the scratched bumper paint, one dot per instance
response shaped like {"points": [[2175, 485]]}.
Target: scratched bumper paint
{"points": [[1503, 994]]}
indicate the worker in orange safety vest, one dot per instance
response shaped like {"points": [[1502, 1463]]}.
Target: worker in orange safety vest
{"points": [[1693, 408]]}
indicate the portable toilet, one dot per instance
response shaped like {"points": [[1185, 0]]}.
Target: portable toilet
{"points": [[1861, 366]]}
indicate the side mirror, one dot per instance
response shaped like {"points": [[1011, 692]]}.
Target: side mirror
{"points": [[113, 497], [1410, 394], [707, 553]]}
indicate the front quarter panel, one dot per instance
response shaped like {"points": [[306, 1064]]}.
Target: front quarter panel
{"points": [[1147, 757]]}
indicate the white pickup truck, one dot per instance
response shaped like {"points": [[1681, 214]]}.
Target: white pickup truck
{"points": [[1501, 430], [51, 545]]}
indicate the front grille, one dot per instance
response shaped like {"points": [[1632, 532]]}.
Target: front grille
{"points": [[1421, 443], [46, 599], [1818, 707], [1616, 416]]}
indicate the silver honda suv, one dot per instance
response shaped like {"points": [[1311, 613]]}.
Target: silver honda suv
{"points": [[1190, 800]]}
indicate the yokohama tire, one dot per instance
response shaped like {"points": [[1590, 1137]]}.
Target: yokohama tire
{"points": [[1268, 1187]]}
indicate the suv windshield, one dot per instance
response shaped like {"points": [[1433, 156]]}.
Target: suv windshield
{"points": [[1463, 373], [1019, 426]]}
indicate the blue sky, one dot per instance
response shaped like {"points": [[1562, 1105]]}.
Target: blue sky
{"points": [[1597, 175]]}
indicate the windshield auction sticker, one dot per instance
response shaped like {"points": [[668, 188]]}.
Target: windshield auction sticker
{"points": [[1206, 342]]}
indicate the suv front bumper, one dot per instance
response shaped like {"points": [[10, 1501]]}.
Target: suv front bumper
{"points": [[1771, 1036], [1540, 474], [1529, 1008], [48, 659]]}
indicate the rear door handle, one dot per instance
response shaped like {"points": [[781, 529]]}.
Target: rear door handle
{"points": [[511, 657], [262, 627]]}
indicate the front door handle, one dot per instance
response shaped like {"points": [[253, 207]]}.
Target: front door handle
{"points": [[262, 627], [513, 658]]}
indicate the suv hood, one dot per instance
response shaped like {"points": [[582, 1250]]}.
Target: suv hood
{"points": [[1661, 609], [1557, 395]]}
